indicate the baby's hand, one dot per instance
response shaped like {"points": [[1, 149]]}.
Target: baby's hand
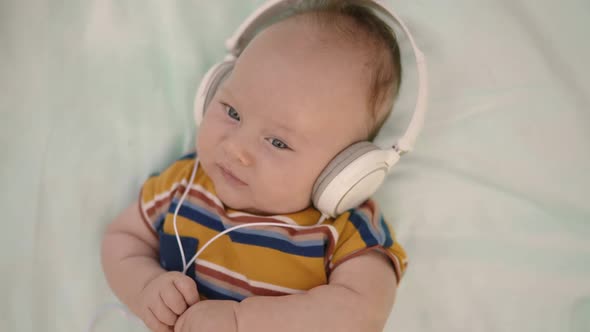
{"points": [[164, 299]]}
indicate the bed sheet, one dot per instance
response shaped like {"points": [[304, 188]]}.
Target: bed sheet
{"points": [[492, 206]]}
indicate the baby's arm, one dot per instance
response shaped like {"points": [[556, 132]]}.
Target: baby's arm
{"points": [[130, 264], [359, 297]]}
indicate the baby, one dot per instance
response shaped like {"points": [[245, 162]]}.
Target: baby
{"points": [[304, 89]]}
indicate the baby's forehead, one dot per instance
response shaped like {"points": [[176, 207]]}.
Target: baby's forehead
{"points": [[302, 121]]}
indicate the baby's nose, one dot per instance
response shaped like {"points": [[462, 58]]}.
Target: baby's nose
{"points": [[238, 151]]}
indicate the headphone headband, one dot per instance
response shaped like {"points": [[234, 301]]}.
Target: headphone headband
{"points": [[273, 8]]}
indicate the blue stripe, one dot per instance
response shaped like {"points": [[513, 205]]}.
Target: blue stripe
{"points": [[281, 245], [199, 208], [362, 226], [388, 239], [376, 232], [279, 236], [214, 292], [310, 248], [191, 155], [159, 225], [170, 258], [380, 232], [204, 219]]}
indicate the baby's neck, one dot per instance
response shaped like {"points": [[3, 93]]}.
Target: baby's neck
{"points": [[261, 213]]}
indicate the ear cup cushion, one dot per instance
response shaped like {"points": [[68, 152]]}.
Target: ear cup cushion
{"points": [[209, 85], [221, 75], [336, 165]]}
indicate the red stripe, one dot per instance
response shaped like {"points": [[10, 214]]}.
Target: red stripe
{"points": [[237, 282], [180, 190], [397, 269], [158, 205], [145, 221], [193, 193]]}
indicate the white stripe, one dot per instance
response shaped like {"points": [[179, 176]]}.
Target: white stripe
{"points": [[284, 219], [207, 194], [147, 219], [161, 196], [398, 265], [289, 221], [332, 229], [164, 195], [334, 234], [145, 207], [258, 284]]}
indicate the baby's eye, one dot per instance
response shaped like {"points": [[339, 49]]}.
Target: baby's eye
{"points": [[232, 113], [277, 143]]}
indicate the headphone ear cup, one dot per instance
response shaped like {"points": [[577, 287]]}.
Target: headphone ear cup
{"points": [[208, 86], [352, 177]]}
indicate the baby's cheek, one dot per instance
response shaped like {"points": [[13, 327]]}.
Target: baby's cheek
{"points": [[297, 191], [197, 145], [205, 141]]}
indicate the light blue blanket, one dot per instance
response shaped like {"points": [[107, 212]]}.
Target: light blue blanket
{"points": [[493, 206]]}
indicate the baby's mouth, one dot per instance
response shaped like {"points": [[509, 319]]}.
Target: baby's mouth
{"points": [[230, 177]]}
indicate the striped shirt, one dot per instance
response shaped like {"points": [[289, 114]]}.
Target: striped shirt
{"points": [[259, 260]]}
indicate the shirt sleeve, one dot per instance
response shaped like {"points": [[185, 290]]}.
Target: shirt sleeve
{"points": [[363, 229], [159, 190]]}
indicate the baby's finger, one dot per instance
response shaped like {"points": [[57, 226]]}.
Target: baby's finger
{"points": [[179, 326], [188, 289], [174, 299], [153, 323], [163, 313]]}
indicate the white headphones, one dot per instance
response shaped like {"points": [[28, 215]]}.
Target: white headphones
{"points": [[355, 173]]}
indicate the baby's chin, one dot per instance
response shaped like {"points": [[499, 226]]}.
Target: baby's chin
{"points": [[238, 202], [239, 205]]}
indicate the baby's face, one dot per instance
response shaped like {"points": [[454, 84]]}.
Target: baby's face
{"points": [[292, 102]]}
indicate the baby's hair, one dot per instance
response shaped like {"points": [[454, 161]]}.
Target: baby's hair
{"points": [[361, 25]]}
